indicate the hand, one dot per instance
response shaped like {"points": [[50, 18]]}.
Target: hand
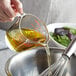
{"points": [[9, 9]]}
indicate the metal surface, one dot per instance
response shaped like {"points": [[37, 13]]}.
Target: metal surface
{"points": [[34, 62], [71, 48]]}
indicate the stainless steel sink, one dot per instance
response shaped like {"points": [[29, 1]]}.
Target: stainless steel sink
{"points": [[34, 62]]}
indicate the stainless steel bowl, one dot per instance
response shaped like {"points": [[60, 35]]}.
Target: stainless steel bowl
{"points": [[34, 62]]}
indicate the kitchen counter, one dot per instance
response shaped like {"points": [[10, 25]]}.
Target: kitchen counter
{"points": [[5, 53]]}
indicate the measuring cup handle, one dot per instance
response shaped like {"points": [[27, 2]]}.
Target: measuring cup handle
{"points": [[20, 15]]}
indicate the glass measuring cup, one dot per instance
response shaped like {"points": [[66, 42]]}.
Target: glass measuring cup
{"points": [[27, 32]]}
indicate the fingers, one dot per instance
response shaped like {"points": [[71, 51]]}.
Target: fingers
{"points": [[6, 11], [18, 6], [4, 17], [9, 9]]}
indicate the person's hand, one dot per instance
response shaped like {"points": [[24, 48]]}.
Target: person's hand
{"points": [[9, 9]]}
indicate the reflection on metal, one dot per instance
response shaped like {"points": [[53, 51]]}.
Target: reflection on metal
{"points": [[34, 62]]}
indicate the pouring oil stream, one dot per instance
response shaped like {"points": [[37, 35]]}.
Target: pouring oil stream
{"points": [[57, 69]]}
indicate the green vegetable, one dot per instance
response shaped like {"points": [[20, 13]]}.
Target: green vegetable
{"points": [[72, 30], [64, 40]]}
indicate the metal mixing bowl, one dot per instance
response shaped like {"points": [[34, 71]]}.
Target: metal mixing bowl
{"points": [[34, 62]]}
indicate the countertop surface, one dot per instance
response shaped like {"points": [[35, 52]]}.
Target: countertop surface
{"points": [[5, 53]]}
